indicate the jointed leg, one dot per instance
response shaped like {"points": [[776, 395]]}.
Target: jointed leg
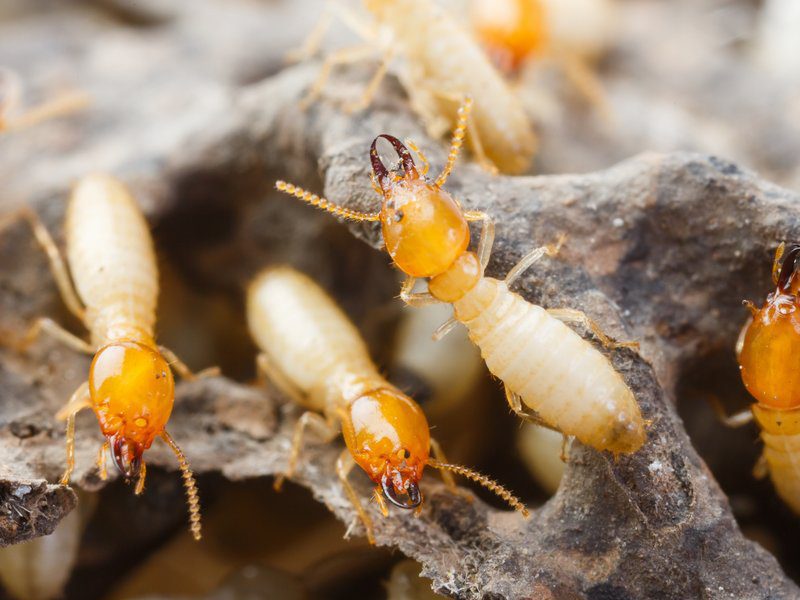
{"points": [[57, 265], [565, 446], [527, 261], [184, 371], [80, 399], [411, 299], [344, 464], [569, 315], [422, 158], [372, 87], [586, 82], [761, 468], [447, 476], [269, 370], [325, 427], [733, 421], [444, 329], [54, 330], [340, 57], [515, 404], [487, 235]]}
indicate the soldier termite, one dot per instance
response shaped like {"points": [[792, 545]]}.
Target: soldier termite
{"points": [[544, 364], [12, 117], [314, 354], [130, 386], [767, 351], [442, 65]]}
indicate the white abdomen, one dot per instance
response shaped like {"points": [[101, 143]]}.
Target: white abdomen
{"points": [[558, 374], [112, 261]]}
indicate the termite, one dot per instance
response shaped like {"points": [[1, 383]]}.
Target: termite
{"points": [[544, 364], [314, 354], [130, 386], [12, 117], [767, 349], [443, 64]]}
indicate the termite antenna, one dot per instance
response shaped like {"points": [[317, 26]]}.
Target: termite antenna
{"points": [[324, 204], [189, 483], [457, 140], [485, 481]]}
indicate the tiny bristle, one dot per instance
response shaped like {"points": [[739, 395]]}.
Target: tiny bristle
{"points": [[324, 204], [192, 498], [486, 482]]}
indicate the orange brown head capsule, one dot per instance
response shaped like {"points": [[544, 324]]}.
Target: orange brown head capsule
{"points": [[423, 226], [771, 341], [510, 30]]}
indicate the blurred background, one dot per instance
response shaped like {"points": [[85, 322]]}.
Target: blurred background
{"points": [[608, 79]]}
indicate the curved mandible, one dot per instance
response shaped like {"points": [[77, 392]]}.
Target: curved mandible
{"points": [[380, 170], [791, 257]]}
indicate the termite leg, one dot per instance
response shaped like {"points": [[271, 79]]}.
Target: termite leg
{"points": [[268, 370], [586, 82], [345, 464], [324, 426], [422, 158], [487, 235], [515, 404], [565, 448], [372, 87], [140, 481], [444, 329], [733, 421], [80, 399], [101, 461], [346, 15], [570, 315], [10, 94], [340, 57], [776, 263], [61, 106], [761, 468], [447, 476], [57, 332], [377, 495], [529, 259], [57, 265], [411, 299], [182, 369]]}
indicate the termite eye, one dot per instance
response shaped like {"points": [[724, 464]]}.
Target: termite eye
{"points": [[406, 454], [398, 216]]}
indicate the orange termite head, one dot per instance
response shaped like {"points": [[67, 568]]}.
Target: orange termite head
{"points": [[389, 437], [511, 30], [132, 393], [424, 228]]}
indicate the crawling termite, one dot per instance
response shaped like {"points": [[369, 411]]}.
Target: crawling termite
{"points": [[13, 116], [767, 350], [130, 387], [544, 364], [314, 354], [442, 65]]}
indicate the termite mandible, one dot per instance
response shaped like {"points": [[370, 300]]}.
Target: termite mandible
{"points": [[313, 353], [130, 386], [443, 65], [543, 363], [767, 349]]}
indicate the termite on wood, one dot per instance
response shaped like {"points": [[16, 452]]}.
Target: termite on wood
{"points": [[313, 353], [442, 65], [767, 351], [130, 386], [13, 117], [543, 363]]}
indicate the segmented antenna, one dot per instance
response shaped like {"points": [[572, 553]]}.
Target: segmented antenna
{"points": [[486, 482], [457, 140], [189, 483], [324, 204]]}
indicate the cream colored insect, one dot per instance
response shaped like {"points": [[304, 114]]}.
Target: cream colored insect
{"points": [[13, 117], [543, 363], [313, 353], [442, 64], [130, 386]]}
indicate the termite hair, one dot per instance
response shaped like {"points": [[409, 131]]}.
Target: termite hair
{"points": [[488, 483]]}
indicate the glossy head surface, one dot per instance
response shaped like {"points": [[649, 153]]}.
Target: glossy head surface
{"points": [[132, 392], [389, 438], [768, 358], [424, 228], [511, 30]]}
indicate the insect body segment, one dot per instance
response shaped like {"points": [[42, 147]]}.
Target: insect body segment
{"points": [[130, 386], [316, 356], [544, 364], [767, 361]]}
